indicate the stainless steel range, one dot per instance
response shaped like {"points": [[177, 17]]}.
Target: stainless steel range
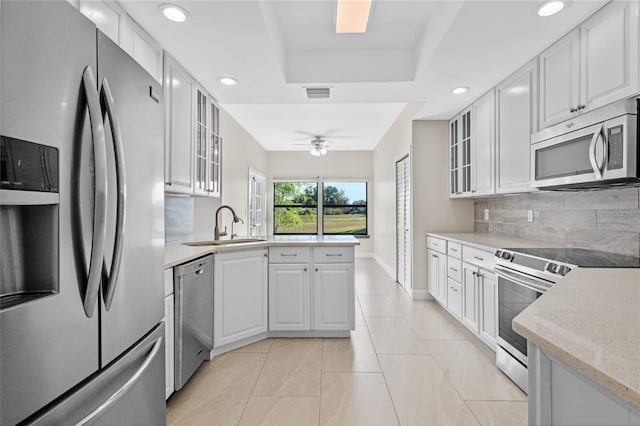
{"points": [[524, 274]]}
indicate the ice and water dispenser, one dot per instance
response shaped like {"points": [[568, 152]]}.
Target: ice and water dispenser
{"points": [[29, 227]]}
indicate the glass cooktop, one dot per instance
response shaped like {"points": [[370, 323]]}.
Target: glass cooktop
{"points": [[582, 257]]}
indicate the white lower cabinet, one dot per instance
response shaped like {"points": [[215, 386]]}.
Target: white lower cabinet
{"points": [[437, 275], [289, 297], [239, 295], [333, 296], [454, 298], [488, 298], [168, 333], [470, 296], [466, 287]]}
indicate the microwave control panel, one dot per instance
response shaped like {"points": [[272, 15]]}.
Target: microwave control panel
{"points": [[616, 148]]}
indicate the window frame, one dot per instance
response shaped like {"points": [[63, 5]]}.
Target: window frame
{"points": [[297, 206], [365, 206], [319, 206]]}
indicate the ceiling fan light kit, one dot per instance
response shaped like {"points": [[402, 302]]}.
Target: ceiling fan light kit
{"points": [[352, 16], [317, 151]]}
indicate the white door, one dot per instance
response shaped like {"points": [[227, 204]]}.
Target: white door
{"points": [[403, 223], [484, 145], [289, 297], [257, 211]]}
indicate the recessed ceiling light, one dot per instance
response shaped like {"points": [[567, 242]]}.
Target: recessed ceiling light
{"points": [[173, 13], [352, 16], [228, 81], [550, 7], [459, 90]]}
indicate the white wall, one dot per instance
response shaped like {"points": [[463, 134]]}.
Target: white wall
{"points": [[239, 152], [394, 143], [431, 208], [347, 165]]}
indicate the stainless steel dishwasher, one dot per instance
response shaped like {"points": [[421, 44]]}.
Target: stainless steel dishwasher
{"points": [[193, 316]]}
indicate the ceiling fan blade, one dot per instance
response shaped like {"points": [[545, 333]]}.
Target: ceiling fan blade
{"points": [[302, 132]]}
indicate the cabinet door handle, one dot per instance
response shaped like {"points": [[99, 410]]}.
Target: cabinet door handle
{"points": [[266, 255], [200, 272], [334, 254], [454, 250], [305, 269], [316, 269], [581, 107], [455, 270], [433, 255], [572, 109], [454, 289], [168, 183]]}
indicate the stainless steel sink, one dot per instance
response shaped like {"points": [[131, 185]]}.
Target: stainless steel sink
{"points": [[223, 242]]}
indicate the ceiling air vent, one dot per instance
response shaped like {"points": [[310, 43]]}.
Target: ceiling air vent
{"points": [[318, 92]]}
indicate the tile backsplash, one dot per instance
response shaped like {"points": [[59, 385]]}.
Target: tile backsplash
{"points": [[607, 219], [178, 218]]}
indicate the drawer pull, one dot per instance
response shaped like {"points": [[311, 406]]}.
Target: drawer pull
{"points": [[433, 255], [334, 254], [452, 249], [455, 270], [478, 258], [454, 289], [288, 255], [305, 269]]}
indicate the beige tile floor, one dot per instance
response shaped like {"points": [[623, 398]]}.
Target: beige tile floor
{"points": [[407, 363]]}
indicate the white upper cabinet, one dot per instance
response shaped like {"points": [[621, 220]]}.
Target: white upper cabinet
{"points": [[460, 146], [111, 19], [517, 117], [201, 132], [609, 54], [483, 149], [560, 80], [178, 154], [592, 66]]}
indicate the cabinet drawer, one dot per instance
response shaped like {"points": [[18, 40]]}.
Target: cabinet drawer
{"points": [[454, 249], [437, 244], [454, 297], [168, 281], [481, 258], [289, 255], [333, 254], [454, 269]]}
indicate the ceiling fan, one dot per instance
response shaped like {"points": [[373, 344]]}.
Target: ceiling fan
{"points": [[319, 143]]}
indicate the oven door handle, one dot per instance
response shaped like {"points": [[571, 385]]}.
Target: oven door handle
{"points": [[516, 278]]}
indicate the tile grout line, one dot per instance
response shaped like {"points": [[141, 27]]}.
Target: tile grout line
{"points": [[321, 380], [253, 389], [386, 384]]}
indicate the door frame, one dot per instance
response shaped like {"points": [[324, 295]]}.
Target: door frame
{"points": [[408, 282]]}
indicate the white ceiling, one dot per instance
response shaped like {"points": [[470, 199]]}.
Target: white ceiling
{"points": [[413, 51]]}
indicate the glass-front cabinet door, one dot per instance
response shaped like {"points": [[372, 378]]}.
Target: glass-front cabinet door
{"points": [[201, 136], [454, 169], [215, 152], [464, 146]]}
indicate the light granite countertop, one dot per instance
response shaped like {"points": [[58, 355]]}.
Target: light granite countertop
{"points": [[488, 241], [591, 321], [176, 253]]}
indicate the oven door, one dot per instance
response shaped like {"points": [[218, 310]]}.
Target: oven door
{"points": [[515, 293], [602, 151]]}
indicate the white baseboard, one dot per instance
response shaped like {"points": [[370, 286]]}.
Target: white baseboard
{"points": [[420, 294], [365, 254], [385, 267]]}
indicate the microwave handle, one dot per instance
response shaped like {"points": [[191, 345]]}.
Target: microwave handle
{"points": [[597, 168]]}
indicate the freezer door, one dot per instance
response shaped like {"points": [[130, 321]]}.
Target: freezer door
{"points": [[129, 392], [132, 289], [49, 345]]}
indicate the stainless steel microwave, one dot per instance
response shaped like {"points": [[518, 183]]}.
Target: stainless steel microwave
{"points": [[594, 150]]}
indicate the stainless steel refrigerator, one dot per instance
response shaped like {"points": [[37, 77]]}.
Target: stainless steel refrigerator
{"points": [[81, 224]]}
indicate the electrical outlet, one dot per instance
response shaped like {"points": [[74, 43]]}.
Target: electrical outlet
{"points": [[529, 215], [486, 214]]}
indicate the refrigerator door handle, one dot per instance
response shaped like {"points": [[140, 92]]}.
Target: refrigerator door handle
{"points": [[118, 148], [100, 191], [117, 395]]}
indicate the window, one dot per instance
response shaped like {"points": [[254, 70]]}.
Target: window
{"points": [[344, 208], [295, 208]]}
